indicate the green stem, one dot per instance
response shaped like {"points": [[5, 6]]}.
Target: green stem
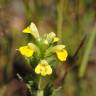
{"points": [[88, 50], [40, 91], [60, 19], [39, 84]]}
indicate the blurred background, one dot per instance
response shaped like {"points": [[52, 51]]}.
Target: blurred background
{"points": [[74, 22]]}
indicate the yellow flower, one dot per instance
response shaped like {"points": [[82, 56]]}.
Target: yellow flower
{"points": [[43, 68], [32, 29], [26, 51], [62, 54], [50, 37]]}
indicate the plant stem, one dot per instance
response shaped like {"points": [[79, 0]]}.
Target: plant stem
{"points": [[60, 19], [88, 50], [40, 91], [39, 84]]}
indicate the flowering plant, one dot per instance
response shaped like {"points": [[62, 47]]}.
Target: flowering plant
{"points": [[43, 55]]}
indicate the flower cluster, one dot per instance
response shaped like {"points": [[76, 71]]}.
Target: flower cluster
{"points": [[45, 48]]}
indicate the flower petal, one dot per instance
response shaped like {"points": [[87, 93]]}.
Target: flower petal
{"points": [[62, 54], [37, 70], [50, 37], [27, 30], [33, 46], [26, 51], [48, 70], [32, 29], [43, 68], [58, 48]]}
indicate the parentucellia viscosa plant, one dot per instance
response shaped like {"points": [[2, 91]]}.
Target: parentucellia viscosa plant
{"points": [[43, 53]]}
